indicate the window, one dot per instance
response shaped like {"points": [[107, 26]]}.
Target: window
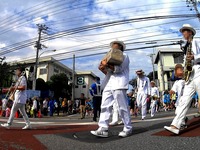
{"points": [[43, 71], [178, 58], [76, 86], [56, 70], [84, 86]]}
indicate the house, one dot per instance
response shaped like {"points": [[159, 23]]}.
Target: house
{"points": [[48, 66], [166, 59], [83, 81]]}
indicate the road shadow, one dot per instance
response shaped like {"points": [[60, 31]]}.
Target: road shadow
{"points": [[86, 136], [193, 130]]}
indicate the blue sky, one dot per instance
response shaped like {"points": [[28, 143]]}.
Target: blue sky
{"points": [[20, 18]]}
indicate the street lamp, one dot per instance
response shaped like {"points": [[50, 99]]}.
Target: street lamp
{"points": [[36, 66], [54, 50]]}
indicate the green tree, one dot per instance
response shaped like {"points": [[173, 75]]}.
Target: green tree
{"points": [[133, 82], [6, 75], [41, 85], [59, 84], [150, 75]]}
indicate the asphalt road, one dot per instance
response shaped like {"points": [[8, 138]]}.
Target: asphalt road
{"points": [[72, 133]]}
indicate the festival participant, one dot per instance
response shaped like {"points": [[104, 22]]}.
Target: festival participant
{"points": [[20, 98], [95, 91], [143, 92], [154, 97], [116, 84], [193, 84]]}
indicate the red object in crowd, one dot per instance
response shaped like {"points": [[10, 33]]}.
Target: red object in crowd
{"points": [[16, 115], [5, 90], [39, 114]]}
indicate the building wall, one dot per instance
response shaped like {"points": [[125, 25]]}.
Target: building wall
{"points": [[168, 59], [51, 69], [43, 76], [88, 80], [168, 65]]}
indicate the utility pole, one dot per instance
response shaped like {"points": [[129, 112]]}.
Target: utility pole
{"points": [[38, 46], [73, 79], [162, 70], [151, 55]]}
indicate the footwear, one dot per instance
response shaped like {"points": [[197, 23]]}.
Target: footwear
{"points": [[113, 123], [186, 119], [183, 127], [100, 133], [152, 116], [197, 115], [125, 133], [27, 127], [94, 119], [6, 125], [173, 130], [120, 123]]}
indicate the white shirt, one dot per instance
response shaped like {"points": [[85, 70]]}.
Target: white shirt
{"points": [[178, 88], [20, 96], [196, 50], [143, 85], [34, 104], [45, 104], [119, 78], [154, 91]]}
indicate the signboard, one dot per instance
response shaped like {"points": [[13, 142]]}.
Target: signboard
{"points": [[32, 93], [80, 80]]}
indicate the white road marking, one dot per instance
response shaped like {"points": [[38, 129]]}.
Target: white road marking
{"points": [[164, 118], [84, 123]]}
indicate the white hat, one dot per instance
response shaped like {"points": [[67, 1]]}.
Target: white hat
{"points": [[119, 42], [140, 71], [155, 96], [188, 27]]}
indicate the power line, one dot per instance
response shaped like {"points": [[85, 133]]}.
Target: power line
{"points": [[105, 51], [5, 31], [53, 13], [69, 19], [64, 33]]}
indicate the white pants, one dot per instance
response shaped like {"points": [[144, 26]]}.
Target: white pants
{"points": [[109, 97], [142, 103], [186, 98], [21, 108], [153, 107], [115, 115]]}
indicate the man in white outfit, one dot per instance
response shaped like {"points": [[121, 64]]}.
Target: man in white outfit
{"points": [[179, 84], [178, 88], [143, 91], [20, 99], [154, 97], [194, 81], [115, 115], [116, 84], [34, 107]]}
